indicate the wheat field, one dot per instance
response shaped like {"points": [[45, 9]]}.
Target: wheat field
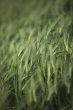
{"points": [[36, 55]]}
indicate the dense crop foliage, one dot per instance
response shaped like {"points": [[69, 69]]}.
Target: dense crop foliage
{"points": [[36, 55]]}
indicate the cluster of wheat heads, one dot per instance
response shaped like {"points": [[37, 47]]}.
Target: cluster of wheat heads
{"points": [[36, 55]]}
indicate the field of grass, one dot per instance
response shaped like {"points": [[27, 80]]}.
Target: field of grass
{"points": [[36, 55]]}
